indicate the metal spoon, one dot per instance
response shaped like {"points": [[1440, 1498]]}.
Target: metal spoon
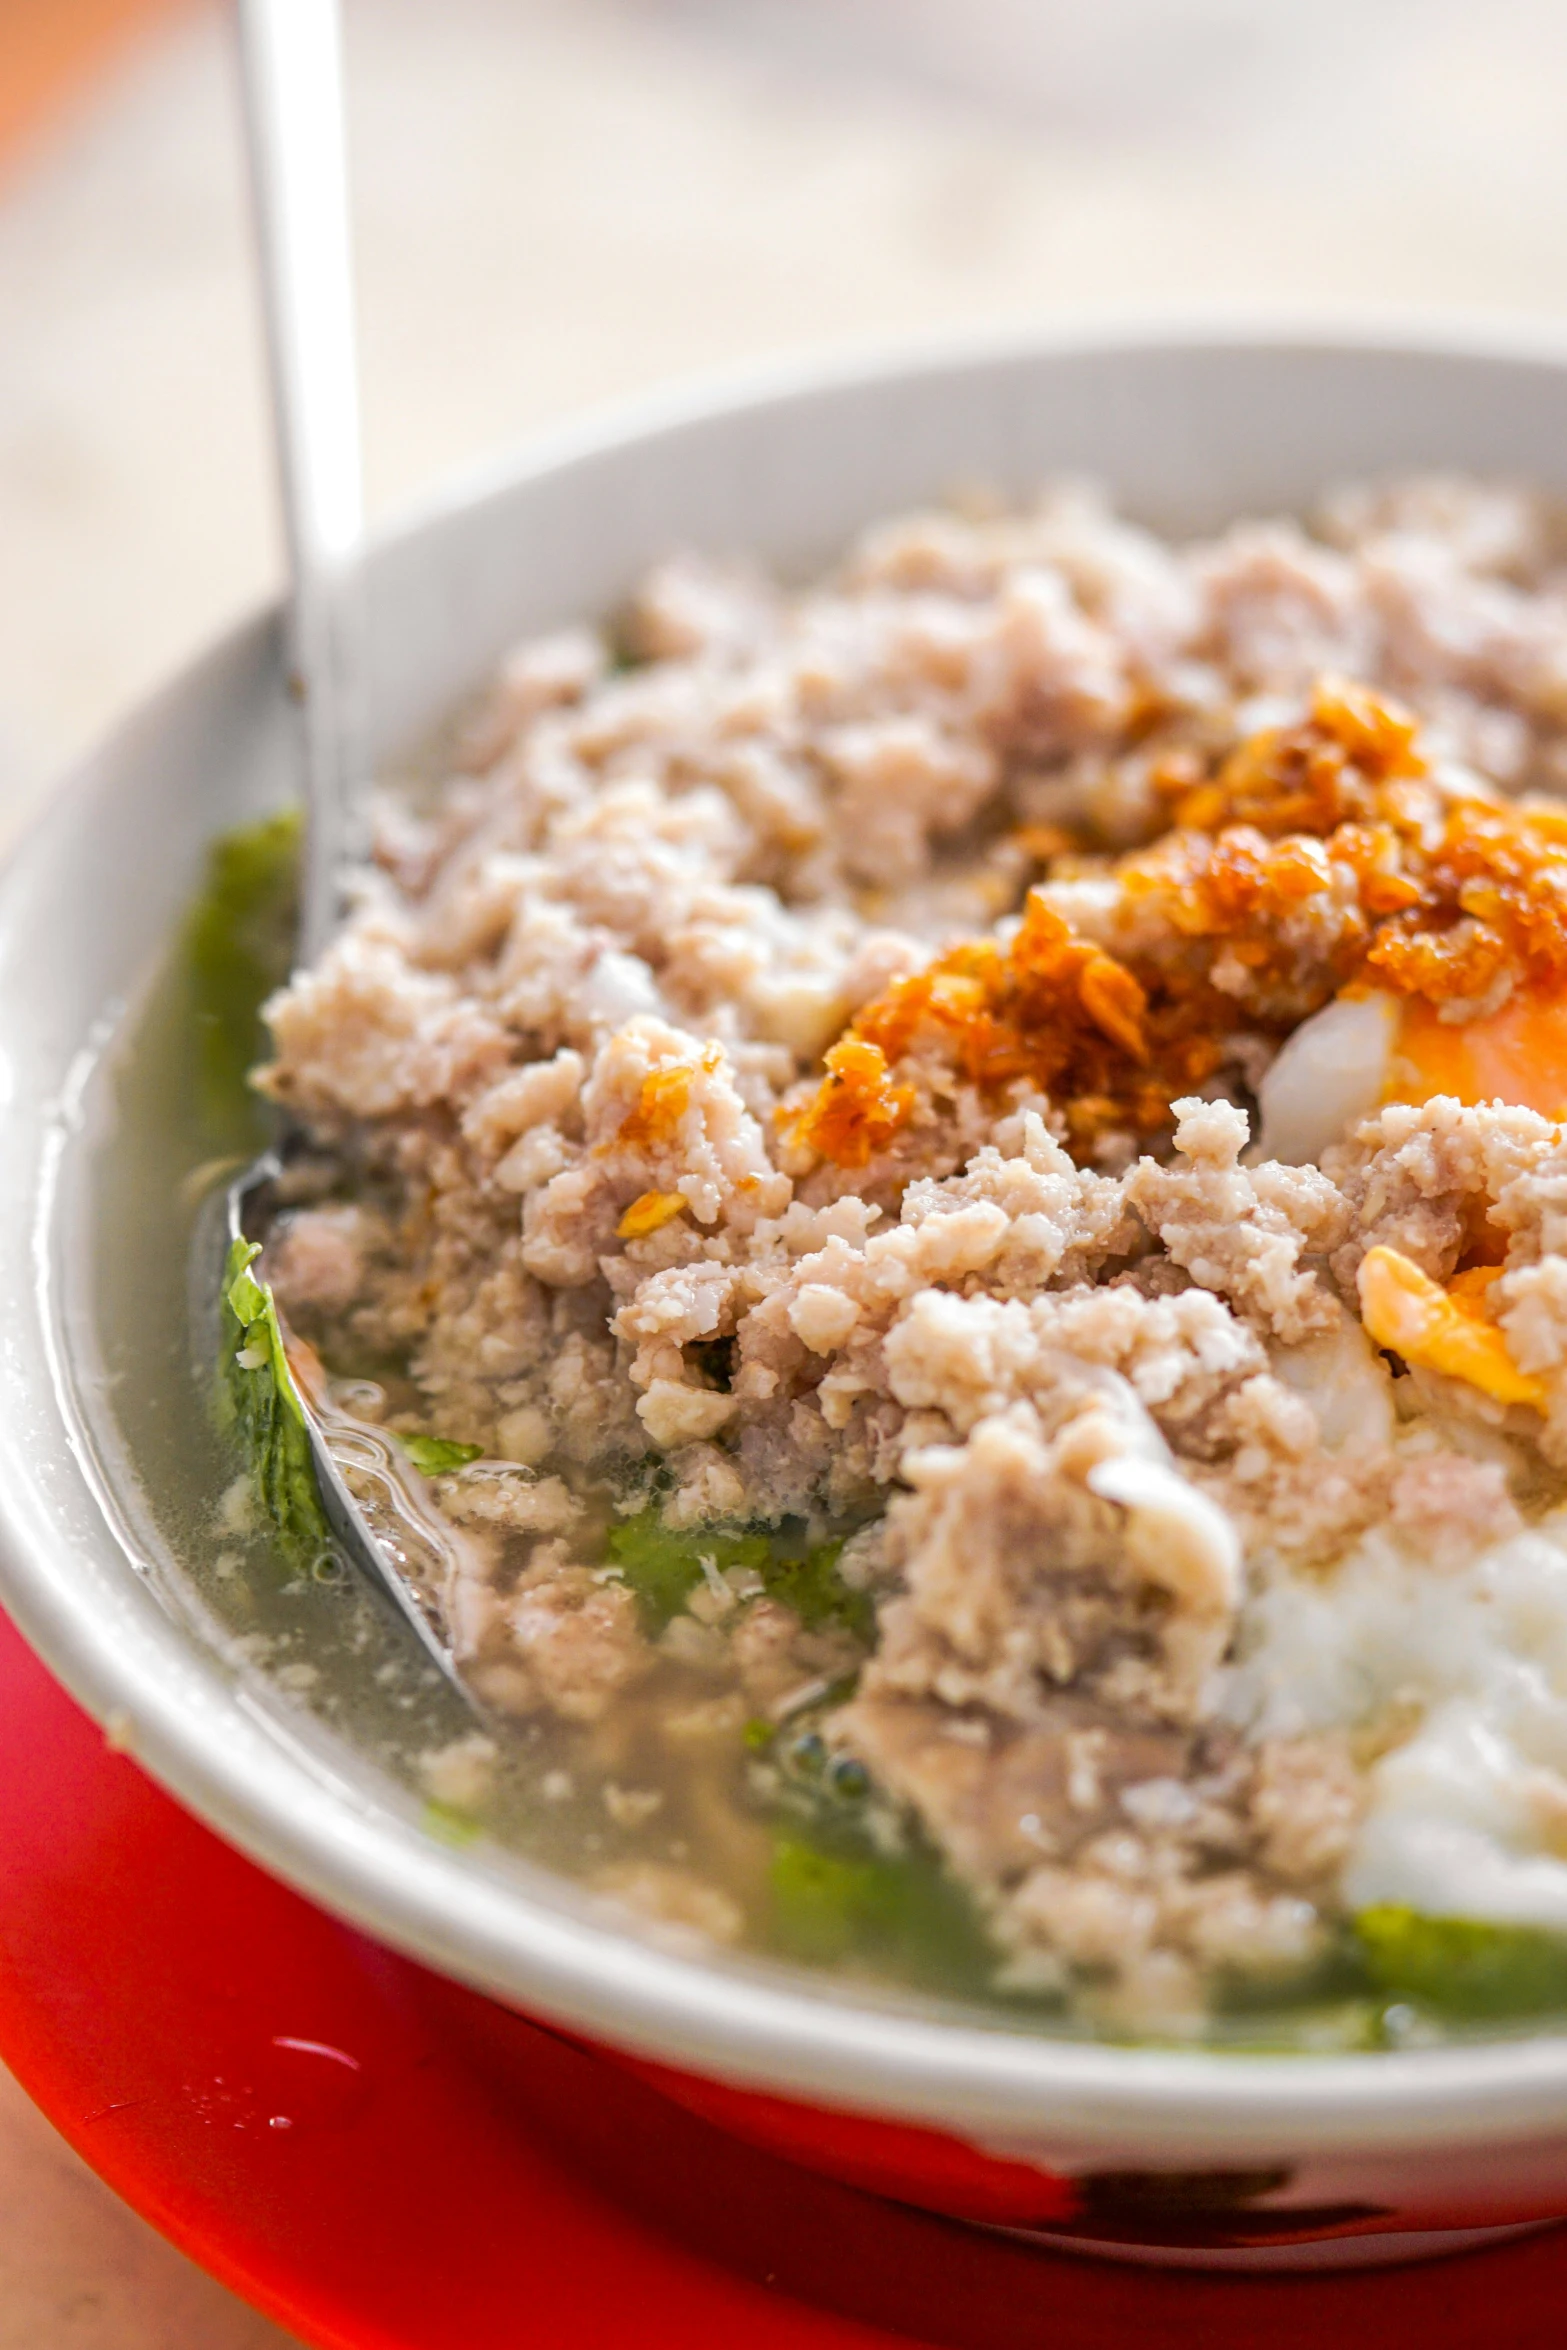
{"points": [[292, 78], [376, 1504]]}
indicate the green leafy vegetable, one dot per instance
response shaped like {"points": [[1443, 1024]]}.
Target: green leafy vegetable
{"points": [[808, 1581], [432, 1456], [239, 944], [261, 1406], [450, 1823], [664, 1568], [1462, 1966], [832, 1902], [1335, 1973]]}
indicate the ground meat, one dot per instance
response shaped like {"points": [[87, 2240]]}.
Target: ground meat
{"points": [[1243, 1232], [1057, 1548], [778, 1662], [1449, 1506], [318, 1266], [803, 1075], [1305, 1802], [1102, 1848], [367, 1035], [576, 1638], [673, 1899], [999, 1797]]}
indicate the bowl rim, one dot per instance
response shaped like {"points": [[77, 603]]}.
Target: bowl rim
{"points": [[1418, 331], [187, 1726]]}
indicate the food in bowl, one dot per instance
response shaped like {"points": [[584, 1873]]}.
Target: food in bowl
{"points": [[950, 1185]]}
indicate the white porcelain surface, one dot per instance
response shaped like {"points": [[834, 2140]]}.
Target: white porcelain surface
{"points": [[1188, 433]]}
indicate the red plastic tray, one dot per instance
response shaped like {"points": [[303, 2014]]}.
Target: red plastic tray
{"points": [[382, 2161]]}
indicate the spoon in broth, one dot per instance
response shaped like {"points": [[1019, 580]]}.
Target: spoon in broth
{"points": [[328, 1481]]}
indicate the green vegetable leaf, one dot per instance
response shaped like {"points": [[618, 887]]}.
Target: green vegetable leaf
{"points": [[239, 945], [831, 1903], [260, 1405], [432, 1456], [663, 1568], [1463, 1966], [809, 1582], [450, 1823]]}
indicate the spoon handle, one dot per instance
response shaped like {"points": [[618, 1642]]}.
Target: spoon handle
{"points": [[292, 76]]}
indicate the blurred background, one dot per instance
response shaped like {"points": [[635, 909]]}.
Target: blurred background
{"points": [[565, 200], [562, 201]]}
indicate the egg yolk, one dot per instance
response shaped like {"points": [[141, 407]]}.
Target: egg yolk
{"points": [[1517, 1054], [1444, 1330]]}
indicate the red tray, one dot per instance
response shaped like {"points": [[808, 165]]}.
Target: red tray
{"points": [[382, 2161]]}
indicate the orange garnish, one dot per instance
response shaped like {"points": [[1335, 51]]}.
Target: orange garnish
{"points": [[650, 1213], [1310, 859], [857, 1110], [1312, 777], [662, 1102], [1043, 842], [1051, 1010]]}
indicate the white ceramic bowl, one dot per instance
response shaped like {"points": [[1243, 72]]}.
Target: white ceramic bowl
{"points": [[1189, 431]]}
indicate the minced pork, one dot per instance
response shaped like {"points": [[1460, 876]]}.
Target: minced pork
{"points": [[1037, 1053]]}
